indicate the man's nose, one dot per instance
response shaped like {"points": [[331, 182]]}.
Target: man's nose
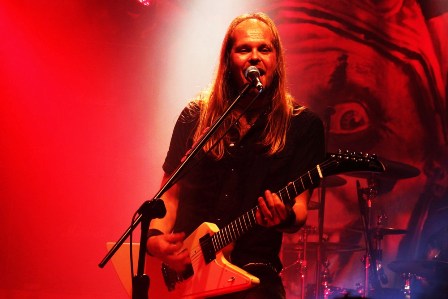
{"points": [[255, 56]]}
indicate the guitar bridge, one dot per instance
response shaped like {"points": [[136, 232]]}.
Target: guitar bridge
{"points": [[172, 277]]}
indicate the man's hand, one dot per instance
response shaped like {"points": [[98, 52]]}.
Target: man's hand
{"points": [[170, 250], [272, 211]]}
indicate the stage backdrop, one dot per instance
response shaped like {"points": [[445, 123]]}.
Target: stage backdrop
{"points": [[90, 91]]}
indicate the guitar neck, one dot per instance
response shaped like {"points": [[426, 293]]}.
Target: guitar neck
{"points": [[247, 221]]}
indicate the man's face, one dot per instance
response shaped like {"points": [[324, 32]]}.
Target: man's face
{"points": [[253, 47]]}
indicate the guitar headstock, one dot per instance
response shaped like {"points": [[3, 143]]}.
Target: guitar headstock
{"points": [[346, 161]]}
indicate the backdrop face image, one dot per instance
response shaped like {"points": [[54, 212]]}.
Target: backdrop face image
{"points": [[374, 99], [90, 92]]}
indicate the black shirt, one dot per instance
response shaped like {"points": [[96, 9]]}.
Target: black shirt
{"points": [[221, 191]]}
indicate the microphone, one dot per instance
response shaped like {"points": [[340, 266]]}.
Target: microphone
{"points": [[252, 74]]}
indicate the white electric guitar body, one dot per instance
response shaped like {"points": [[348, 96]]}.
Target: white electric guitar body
{"points": [[209, 279]]}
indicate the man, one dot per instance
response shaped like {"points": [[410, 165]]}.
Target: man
{"points": [[257, 151]]}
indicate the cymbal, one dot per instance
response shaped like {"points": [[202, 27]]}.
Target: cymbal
{"points": [[424, 268], [326, 246], [394, 171], [381, 231]]}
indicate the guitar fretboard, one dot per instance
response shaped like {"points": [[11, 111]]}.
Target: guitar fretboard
{"points": [[247, 221]]}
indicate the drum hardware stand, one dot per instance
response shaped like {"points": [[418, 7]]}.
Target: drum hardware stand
{"points": [[381, 221], [319, 255], [365, 197], [329, 111], [359, 288], [302, 273], [302, 258], [303, 261], [407, 277], [326, 279]]}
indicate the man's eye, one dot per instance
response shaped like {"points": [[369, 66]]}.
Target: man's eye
{"points": [[243, 50]]}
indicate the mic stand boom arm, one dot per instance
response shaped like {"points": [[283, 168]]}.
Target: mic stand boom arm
{"points": [[155, 208]]}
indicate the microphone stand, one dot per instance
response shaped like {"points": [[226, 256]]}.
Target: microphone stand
{"points": [[155, 207]]}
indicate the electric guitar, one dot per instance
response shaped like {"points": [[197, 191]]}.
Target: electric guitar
{"points": [[210, 273]]}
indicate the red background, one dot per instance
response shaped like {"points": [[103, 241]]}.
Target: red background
{"points": [[89, 93]]}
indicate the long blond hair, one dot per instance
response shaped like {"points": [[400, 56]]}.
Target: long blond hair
{"points": [[215, 100]]}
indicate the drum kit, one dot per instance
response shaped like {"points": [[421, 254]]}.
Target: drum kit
{"points": [[373, 233]]}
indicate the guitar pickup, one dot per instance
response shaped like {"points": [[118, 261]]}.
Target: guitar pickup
{"points": [[207, 248]]}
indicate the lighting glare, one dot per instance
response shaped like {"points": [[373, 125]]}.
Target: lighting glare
{"points": [[144, 2]]}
